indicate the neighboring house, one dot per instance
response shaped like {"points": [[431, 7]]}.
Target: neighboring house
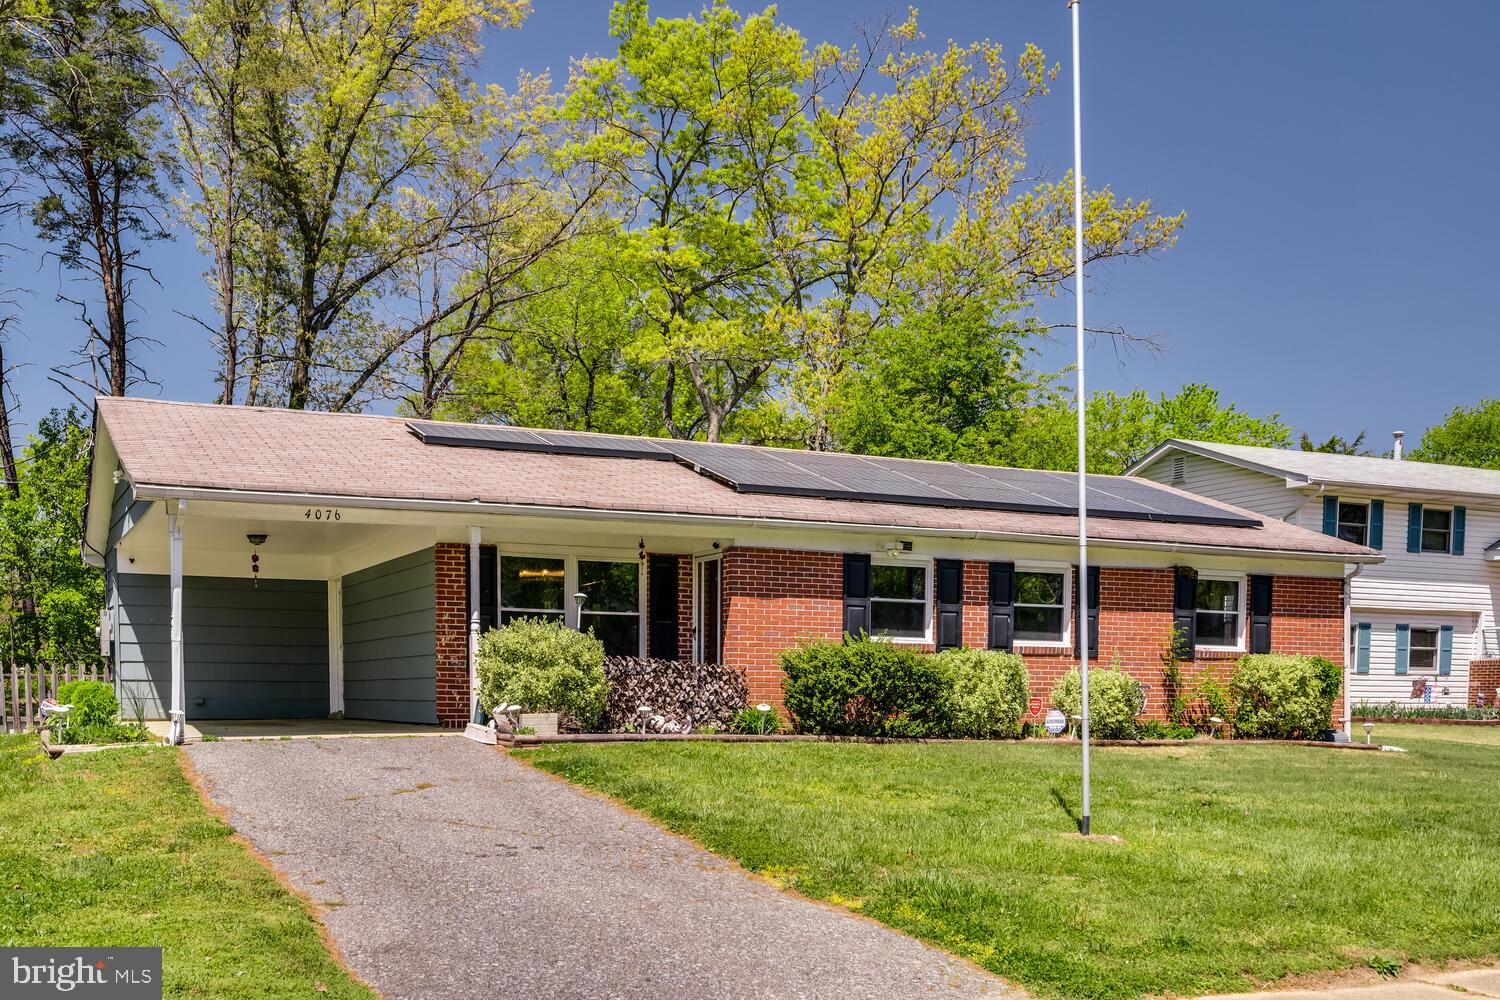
{"points": [[1422, 624], [277, 563]]}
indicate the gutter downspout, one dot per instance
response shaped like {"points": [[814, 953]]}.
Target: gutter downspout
{"points": [[1348, 616]]}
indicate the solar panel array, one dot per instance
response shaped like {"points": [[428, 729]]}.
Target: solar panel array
{"points": [[785, 472]]}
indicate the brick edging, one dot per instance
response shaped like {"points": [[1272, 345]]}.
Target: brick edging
{"points": [[1425, 721], [526, 742]]}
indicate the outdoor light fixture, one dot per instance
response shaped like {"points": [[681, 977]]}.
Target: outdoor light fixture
{"points": [[764, 711], [579, 598], [1368, 726], [257, 538], [643, 712]]}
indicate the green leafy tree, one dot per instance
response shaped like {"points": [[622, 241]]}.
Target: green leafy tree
{"points": [[783, 206], [1468, 436], [1123, 428], [77, 100], [1335, 445], [52, 598]]}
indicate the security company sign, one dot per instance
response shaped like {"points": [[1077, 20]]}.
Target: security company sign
{"points": [[1056, 722], [1036, 707], [116, 973]]}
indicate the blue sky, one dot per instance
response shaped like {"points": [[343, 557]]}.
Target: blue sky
{"points": [[1336, 162]]}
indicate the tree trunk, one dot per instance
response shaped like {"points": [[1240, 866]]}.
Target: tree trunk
{"points": [[7, 449]]}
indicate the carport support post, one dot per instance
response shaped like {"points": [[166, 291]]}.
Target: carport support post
{"points": [[474, 715], [176, 511]]}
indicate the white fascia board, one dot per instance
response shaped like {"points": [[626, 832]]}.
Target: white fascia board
{"points": [[156, 491]]}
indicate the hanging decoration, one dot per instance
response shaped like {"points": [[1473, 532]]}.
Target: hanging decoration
{"points": [[256, 540]]}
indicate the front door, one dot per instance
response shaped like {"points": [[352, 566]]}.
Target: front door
{"points": [[708, 609]]}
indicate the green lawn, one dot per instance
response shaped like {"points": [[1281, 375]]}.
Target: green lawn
{"points": [[1220, 866], [115, 849]]}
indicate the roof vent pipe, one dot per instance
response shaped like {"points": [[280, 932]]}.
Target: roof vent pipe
{"points": [[1396, 451]]}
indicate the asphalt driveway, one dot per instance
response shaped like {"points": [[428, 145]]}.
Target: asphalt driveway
{"points": [[448, 870]]}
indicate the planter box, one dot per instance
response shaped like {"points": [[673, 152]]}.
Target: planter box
{"points": [[545, 723]]}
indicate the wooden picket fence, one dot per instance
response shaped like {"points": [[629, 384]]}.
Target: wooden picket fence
{"points": [[23, 687]]}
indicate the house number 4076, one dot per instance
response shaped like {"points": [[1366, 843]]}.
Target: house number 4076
{"points": [[323, 514]]}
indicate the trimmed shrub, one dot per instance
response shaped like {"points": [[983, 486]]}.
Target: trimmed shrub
{"points": [[987, 691], [94, 703], [691, 695], [543, 666], [1280, 697], [864, 687], [1114, 702], [753, 722]]}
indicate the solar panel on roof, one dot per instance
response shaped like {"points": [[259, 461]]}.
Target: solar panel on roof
{"points": [[784, 472]]}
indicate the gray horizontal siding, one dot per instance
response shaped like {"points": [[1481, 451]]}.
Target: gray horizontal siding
{"points": [[124, 513], [390, 641], [249, 652]]}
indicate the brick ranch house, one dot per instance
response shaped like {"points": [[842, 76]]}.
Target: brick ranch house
{"points": [[266, 563]]}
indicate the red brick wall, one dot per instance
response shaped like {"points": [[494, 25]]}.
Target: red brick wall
{"points": [[773, 599], [452, 581], [1484, 678], [776, 598]]}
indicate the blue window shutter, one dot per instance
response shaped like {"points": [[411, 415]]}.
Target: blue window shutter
{"points": [[1414, 527], [1330, 515], [1377, 524], [1460, 517], [1403, 647], [1362, 649], [1445, 650]]}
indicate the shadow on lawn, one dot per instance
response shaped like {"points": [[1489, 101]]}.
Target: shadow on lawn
{"points": [[1062, 804]]}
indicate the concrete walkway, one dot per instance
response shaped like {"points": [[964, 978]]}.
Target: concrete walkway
{"points": [[1418, 986], [448, 870]]}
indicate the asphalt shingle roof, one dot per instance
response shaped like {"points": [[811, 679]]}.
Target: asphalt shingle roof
{"points": [[308, 453], [1354, 470]]}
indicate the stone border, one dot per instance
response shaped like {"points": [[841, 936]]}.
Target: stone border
{"points": [[525, 742]]}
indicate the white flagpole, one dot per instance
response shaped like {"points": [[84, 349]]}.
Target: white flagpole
{"points": [[1082, 400]]}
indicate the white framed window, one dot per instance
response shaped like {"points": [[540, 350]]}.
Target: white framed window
{"points": [[532, 587], [901, 601], [1423, 650], [1354, 522], [611, 607], [1220, 611], [543, 586], [1043, 599], [1437, 529]]}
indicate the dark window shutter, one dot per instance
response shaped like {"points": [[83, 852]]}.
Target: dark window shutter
{"points": [[1403, 648], [1460, 519], [1185, 612], [1377, 524], [1093, 613], [1362, 648], [1445, 650], [663, 588], [1260, 614], [857, 587], [1414, 527], [1002, 604], [489, 588], [950, 603], [1330, 515]]}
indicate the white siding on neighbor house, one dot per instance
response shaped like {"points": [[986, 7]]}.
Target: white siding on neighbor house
{"points": [[1425, 580], [1383, 685], [1255, 491]]}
